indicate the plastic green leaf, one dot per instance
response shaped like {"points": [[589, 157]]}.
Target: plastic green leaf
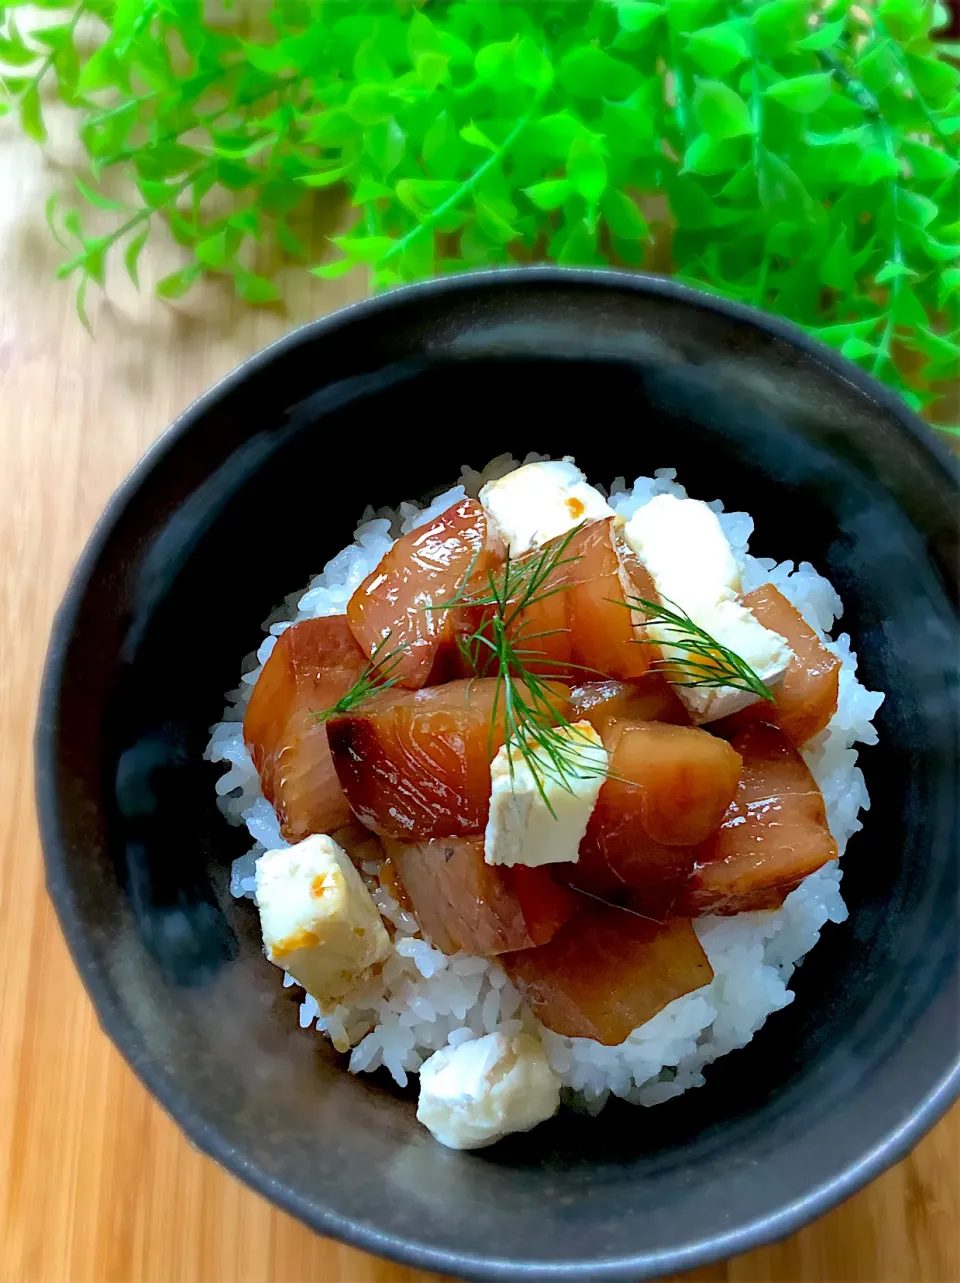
{"points": [[471, 134], [938, 251], [441, 148], [368, 190], [96, 199], [364, 249], [720, 48], [31, 117], [587, 171], [369, 65], [688, 15], [873, 165], [781, 190], [50, 217], [709, 156], [533, 67], [836, 334], [494, 64], [492, 224], [928, 163], [623, 216], [386, 145], [333, 271], [780, 24], [855, 349], [580, 247], [417, 260], [638, 17], [178, 283], [549, 194], [131, 255], [433, 69], [331, 128], [254, 289], [16, 55], [695, 209], [72, 224], [742, 186], [893, 272], [422, 195], [824, 37], [80, 303], [934, 78], [324, 178], [937, 347], [903, 18], [588, 72], [836, 269], [554, 134], [369, 104], [916, 209], [906, 308], [422, 36], [802, 93], [877, 68], [949, 284], [53, 37], [720, 111]]}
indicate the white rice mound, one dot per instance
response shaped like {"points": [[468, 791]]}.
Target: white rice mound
{"points": [[423, 1000]]}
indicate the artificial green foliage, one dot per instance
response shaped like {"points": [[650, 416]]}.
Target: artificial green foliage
{"points": [[807, 149]]}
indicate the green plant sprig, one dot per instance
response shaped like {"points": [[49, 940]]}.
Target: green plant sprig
{"points": [[705, 662], [377, 676], [806, 150]]}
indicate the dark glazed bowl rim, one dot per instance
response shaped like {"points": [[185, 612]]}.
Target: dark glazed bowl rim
{"points": [[888, 1149]]}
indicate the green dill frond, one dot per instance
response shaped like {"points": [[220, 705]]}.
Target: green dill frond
{"points": [[704, 661], [375, 677]]}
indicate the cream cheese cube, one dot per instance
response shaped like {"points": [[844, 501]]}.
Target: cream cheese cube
{"points": [[319, 922], [541, 501], [682, 545], [521, 828], [473, 1094]]}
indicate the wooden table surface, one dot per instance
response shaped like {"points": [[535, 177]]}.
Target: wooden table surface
{"points": [[97, 1185]]}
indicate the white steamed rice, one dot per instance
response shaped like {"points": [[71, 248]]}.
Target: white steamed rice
{"points": [[424, 1000]]}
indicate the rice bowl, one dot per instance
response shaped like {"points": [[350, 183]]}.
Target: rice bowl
{"points": [[422, 999]]}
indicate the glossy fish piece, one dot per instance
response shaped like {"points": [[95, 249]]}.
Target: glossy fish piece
{"points": [[581, 626], [463, 903], [806, 698], [649, 698], [669, 790], [774, 833], [607, 971], [313, 664], [415, 765], [395, 606]]}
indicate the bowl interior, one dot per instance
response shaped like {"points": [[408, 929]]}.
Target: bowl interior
{"points": [[263, 483]]}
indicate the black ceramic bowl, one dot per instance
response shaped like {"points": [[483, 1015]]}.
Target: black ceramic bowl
{"points": [[246, 497]]}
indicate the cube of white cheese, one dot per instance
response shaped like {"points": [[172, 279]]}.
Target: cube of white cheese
{"points": [[319, 922], [473, 1094], [682, 545], [541, 501], [521, 828]]}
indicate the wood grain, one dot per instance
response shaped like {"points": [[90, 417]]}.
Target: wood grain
{"points": [[96, 1184]]}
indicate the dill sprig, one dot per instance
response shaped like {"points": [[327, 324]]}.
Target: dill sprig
{"points": [[375, 677], [704, 661], [502, 646]]}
